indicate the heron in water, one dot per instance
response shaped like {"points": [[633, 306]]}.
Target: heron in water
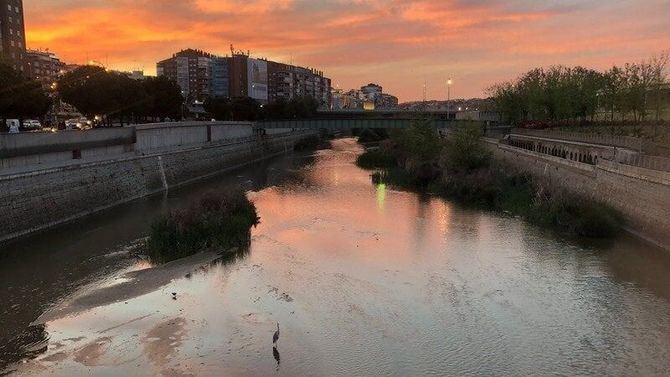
{"points": [[275, 337]]}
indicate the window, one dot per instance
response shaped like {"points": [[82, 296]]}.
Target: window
{"points": [[9, 7]]}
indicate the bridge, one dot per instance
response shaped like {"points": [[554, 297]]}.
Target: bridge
{"points": [[353, 124]]}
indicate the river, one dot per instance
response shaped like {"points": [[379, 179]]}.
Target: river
{"points": [[364, 280]]}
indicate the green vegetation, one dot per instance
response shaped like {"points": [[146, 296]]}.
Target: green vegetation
{"points": [[367, 135], [461, 168], [113, 95], [216, 220], [307, 143], [376, 158], [245, 108], [20, 97], [635, 92]]}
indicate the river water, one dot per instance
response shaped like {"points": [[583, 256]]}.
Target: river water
{"points": [[363, 280]]}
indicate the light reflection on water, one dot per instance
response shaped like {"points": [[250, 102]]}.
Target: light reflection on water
{"points": [[366, 280]]}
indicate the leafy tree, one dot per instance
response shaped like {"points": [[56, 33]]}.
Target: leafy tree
{"points": [[276, 110], [94, 91], [20, 97], [165, 99], [244, 108], [220, 108], [464, 150], [568, 93], [418, 144]]}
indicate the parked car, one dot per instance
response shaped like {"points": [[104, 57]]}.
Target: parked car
{"points": [[31, 124]]}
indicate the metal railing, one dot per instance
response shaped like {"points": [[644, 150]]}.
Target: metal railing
{"points": [[633, 143]]}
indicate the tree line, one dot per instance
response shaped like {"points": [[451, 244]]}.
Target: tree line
{"points": [[637, 91], [116, 98], [245, 108], [21, 97]]}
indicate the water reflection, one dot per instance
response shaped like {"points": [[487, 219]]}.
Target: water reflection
{"points": [[370, 281]]}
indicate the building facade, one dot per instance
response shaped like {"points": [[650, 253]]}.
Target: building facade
{"points": [[43, 66], [368, 97], [288, 81], [12, 34], [220, 73], [204, 75], [191, 70]]}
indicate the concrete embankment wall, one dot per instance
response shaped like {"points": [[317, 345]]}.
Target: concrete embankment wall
{"points": [[34, 200], [641, 194]]}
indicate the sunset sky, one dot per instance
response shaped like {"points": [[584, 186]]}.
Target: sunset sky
{"points": [[397, 44]]}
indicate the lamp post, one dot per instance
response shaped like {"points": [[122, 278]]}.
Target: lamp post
{"points": [[183, 104], [448, 94], [55, 103]]}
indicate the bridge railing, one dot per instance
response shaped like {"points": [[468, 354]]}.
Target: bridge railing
{"points": [[633, 143], [647, 162]]}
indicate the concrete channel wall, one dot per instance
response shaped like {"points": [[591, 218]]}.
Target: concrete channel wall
{"points": [[44, 197], [35, 148], [641, 194]]}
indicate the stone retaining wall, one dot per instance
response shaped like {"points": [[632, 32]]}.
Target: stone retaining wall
{"points": [[642, 195], [36, 200]]}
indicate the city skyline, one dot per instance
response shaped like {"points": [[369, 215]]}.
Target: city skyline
{"points": [[398, 44]]}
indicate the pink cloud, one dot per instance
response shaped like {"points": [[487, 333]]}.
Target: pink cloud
{"points": [[396, 43]]}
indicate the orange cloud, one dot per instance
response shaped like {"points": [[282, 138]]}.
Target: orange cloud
{"points": [[396, 43]]}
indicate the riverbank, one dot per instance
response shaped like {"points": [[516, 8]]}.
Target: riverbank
{"points": [[461, 168], [365, 286], [37, 200]]}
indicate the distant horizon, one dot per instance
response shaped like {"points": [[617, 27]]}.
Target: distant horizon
{"points": [[396, 44]]}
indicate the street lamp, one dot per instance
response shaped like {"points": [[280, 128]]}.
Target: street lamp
{"points": [[183, 104], [448, 93]]}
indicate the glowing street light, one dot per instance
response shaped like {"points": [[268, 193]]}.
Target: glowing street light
{"points": [[449, 82]]}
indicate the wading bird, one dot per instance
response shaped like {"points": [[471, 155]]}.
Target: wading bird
{"points": [[275, 337]]}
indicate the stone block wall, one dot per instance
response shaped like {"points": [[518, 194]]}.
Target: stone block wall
{"points": [[642, 195], [40, 199]]}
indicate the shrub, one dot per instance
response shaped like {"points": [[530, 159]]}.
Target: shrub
{"points": [[307, 143], [372, 136], [577, 215], [220, 220], [375, 158], [464, 150], [417, 144]]}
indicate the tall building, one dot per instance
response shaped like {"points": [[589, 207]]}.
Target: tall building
{"points": [[371, 92], [289, 81], [220, 73], [238, 75], [191, 70], [368, 97], [43, 66], [12, 34], [206, 75]]}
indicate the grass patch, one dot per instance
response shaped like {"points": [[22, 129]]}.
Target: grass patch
{"points": [[574, 214], [216, 220]]}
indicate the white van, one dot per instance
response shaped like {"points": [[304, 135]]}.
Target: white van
{"points": [[13, 125], [32, 124]]}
